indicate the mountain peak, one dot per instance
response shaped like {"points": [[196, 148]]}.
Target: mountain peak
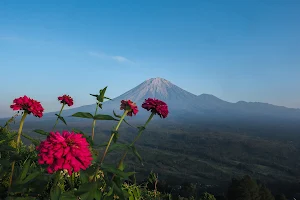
{"points": [[211, 100], [159, 88], [209, 97], [156, 82]]}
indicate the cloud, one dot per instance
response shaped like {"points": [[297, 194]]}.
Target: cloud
{"points": [[120, 59]]}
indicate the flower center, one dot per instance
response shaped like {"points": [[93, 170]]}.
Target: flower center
{"points": [[71, 143]]}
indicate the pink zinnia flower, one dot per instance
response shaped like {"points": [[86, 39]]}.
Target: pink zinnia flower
{"points": [[156, 106], [68, 151], [28, 105], [66, 99], [130, 106]]}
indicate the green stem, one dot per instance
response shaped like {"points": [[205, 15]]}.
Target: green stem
{"points": [[141, 130], [112, 136], [93, 129], [20, 130], [109, 142], [17, 146], [62, 107], [11, 175], [94, 122], [135, 139]]}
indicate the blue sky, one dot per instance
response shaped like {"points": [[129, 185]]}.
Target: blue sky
{"points": [[235, 50]]}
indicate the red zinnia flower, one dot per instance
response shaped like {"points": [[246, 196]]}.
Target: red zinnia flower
{"points": [[156, 106], [130, 106], [68, 151], [28, 105], [66, 99]]}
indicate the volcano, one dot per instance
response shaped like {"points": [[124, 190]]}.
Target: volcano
{"points": [[178, 100], [183, 103]]}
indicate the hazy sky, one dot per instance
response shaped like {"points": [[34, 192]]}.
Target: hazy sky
{"points": [[235, 50]]}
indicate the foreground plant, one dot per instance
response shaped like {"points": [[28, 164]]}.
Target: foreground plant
{"points": [[100, 99], [28, 106], [73, 166], [156, 106], [129, 108], [64, 100], [67, 151]]}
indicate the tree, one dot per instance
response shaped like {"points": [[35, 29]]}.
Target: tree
{"points": [[207, 196], [188, 190], [243, 189], [265, 193]]}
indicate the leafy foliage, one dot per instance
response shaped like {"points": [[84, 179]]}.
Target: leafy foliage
{"points": [[207, 196]]}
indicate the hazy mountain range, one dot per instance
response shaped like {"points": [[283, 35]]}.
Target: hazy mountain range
{"points": [[182, 101], [185, 104]]}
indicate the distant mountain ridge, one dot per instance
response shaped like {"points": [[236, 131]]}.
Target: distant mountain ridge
{"points": [[181, 101]]}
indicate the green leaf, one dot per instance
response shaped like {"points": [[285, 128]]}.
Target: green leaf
{"points": [[98, 195], [14, 156], [110, 192], [136, 192], [118, 116], [104, 117], [131, 197], [6, 148], [128, 123], [84, 178], [88, 191], [90, 171], [114, 170], [25, 170], [107, 98], [141, 128], [117, 146], [83, 115], [136, 154], [34, 141], [20, 198], [100, 98], [29, 177], [116, 135], [12, 136], [61, 118], [94, 95], [4, 163], [122, 194], [68, 196], [55, 193], [122, 166], [39, 131], [77, 131], [9, 138]]}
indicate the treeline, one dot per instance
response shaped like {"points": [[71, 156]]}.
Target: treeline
{"points": [[244, 188]]}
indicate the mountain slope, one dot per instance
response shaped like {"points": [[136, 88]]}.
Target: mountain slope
{"points": [[183, 103], [176, 98]]}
